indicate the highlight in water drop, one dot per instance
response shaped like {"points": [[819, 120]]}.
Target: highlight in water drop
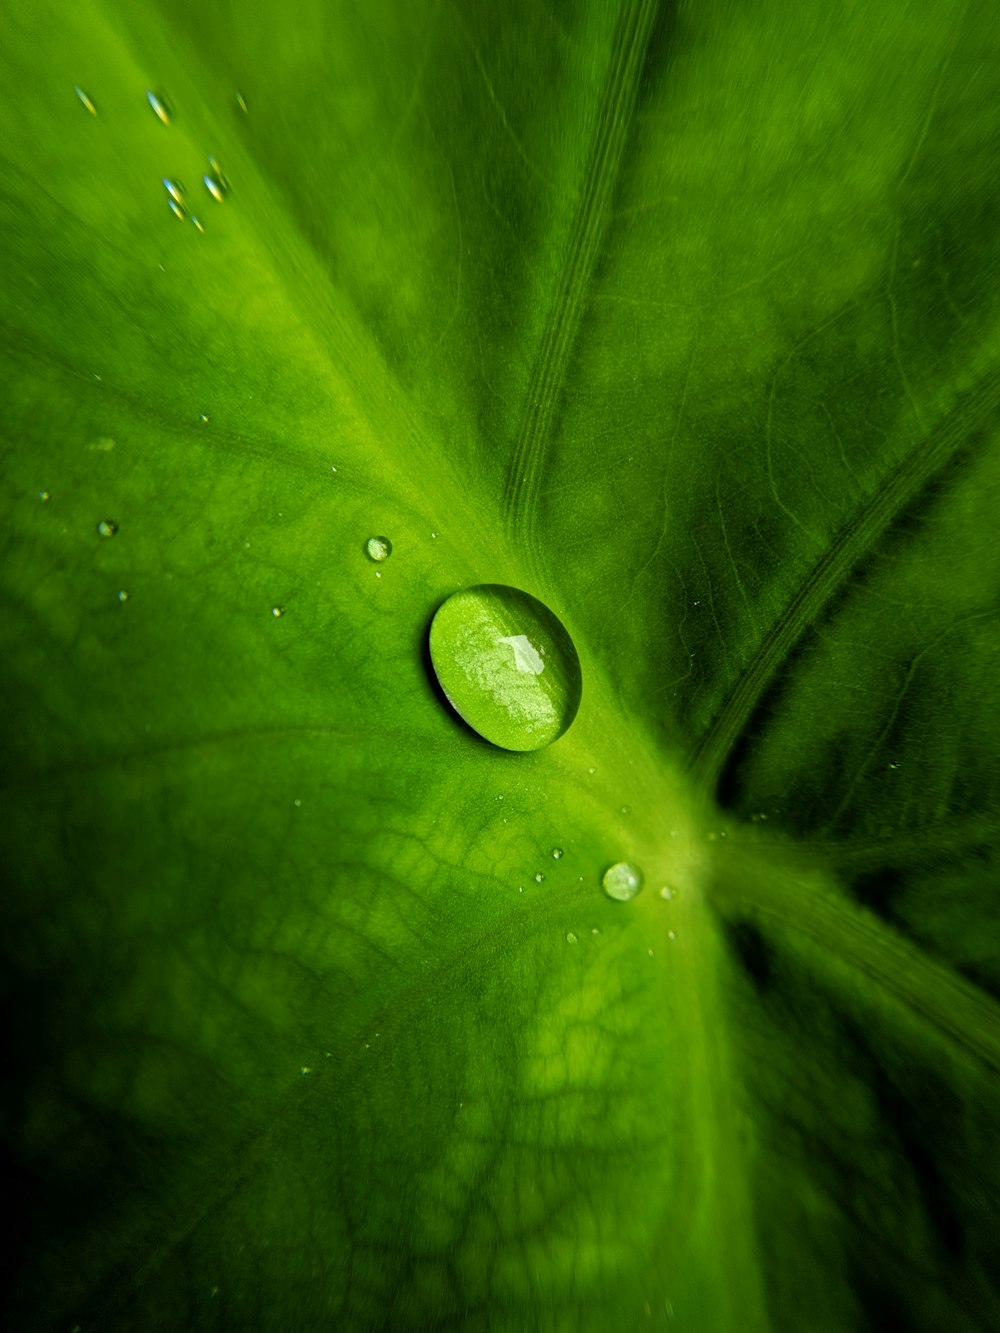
{"points": [[161, 108], [539, 877], [178, 210], [107, 527], [506, 665], [556, 853], [45, 495], [174, 188], [277, 611], [199, 225], [241, 102], [123, 596], [85, 100], [378, 548], [622, 881]]}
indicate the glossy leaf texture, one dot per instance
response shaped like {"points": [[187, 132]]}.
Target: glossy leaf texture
{"points": [[683, 319]]}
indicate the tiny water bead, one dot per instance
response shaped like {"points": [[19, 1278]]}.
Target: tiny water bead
{"points": [[539, 877], [161, 108], [123, 596], [107, 527], [506, 665], [174, 189], [85, 100], [215, 180], [572, 937], [44, 495], [199, 225], [378, 549], [622, 881], [556, 853], [277, 611], [178, 210]]}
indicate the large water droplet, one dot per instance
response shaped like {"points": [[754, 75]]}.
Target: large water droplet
{"points": [[378, 548], [506, 665], [622, 881]]}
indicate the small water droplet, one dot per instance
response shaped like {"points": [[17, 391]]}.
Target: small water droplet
{"points": [[107, 527], [123, 596], [277, 611], [595, 930], [591, 771], [297, 802], [626, 809], [712, 837], [214, 187], [434, 534], [622, 881], [378, 548], [45, 495], [199, 225], [506, 665], [671, 934], [893, 763], [556, 853], [650, 952], [85, 100], [666, 892], [178, 210], [520, 888], [571, 937], [162, 109], [378, 574], [174, 188], [203, 418], [241, 102], [539, 877], [306, 1069]]}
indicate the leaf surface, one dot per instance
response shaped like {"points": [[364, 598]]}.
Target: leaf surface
{"points": [[682, 319]]}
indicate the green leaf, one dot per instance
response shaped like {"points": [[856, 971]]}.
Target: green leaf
{"points": [[685, 320]]}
